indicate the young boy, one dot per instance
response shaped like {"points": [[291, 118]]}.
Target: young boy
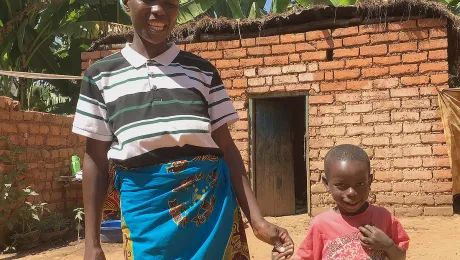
{"points": [[354, 229]]}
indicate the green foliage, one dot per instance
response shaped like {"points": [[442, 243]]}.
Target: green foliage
{"points": [[53, 223], [79, 213]]}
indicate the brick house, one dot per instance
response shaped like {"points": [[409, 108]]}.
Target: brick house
{"points": [[365, 75]]}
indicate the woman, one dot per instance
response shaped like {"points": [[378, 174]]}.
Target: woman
{"points": [[160, 116]]}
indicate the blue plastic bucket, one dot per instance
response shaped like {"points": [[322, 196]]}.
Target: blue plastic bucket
{"points": [[111, 232]]}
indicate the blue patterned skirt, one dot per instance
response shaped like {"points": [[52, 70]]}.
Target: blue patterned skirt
{"points": [[185, 209]]}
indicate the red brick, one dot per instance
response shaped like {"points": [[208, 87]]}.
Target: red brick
{"points": [[408, 212], [202, 46], [405, 116], [304, 47], [389, 129], [417, 151], [317, 35], [407, 186], [371, 95], [229, 44], [310, 77], [405, 139], [416, 128], [268, 40], [359, 85], [433, 44], [440, 78], [374, 118], [319, 121], [437, 126], [251, 62], [376, 50], [420, 80], [253, 82], [250, 73], [331, 65], [388, 83], [294, 58], [362, 108], [303, 87], [17, 115], [328, 44], [389, 199], [387, 152], [347, 97], [332, 131], [288, 38], [276, 60], [405, 25], [314, 56], [384, 37], [232, 73], [283, 48], [403, 69], [321, 143], [419, 200], [435, 187], [360, 130], [240, 83], [407, 163], [347, 120], [329, 76], [404, 92], [325, 99], [359, 63], [434, 66], [381, 186], [415, 57], [331, 109], [345, 53], [232, 54], [211, 55], [342, 140], [347, 74], [443, 199], [8, 128], [341, 32], [258, 89], [438, 33], [356, 40], [263, 50], [374, 72], [431, 22], [386, 105], [417, 175], [442, 174], [294, 68], [440, 150], [416, 103], [248, 42], [268, 71], [437, 55], [430, 115], [403, 47], [223, 64], [436, 162], [312, 66], [433, 139], [413, 35], [392, 60], [277, 88], [285, 79], [376, 141], [428, 91], [372, 28]]}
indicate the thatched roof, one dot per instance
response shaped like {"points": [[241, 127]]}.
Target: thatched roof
{"points": [[298, 20]]}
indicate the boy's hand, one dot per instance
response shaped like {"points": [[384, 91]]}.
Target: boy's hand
{"points": [[374, 238], [289, 250], [274, 235]]}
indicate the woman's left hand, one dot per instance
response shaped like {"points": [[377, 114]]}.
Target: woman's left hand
{"points": [[273, 235]]}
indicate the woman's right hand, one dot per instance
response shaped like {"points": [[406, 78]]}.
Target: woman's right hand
{"points": [[94, 253]]}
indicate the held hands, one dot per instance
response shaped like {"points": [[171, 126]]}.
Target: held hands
{"points": [[374, 238], [276, 236]]}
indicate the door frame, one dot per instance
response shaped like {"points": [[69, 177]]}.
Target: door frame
{"points": [[251, 118]]}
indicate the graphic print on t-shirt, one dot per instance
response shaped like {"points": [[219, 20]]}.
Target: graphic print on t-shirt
{"points": [[348, 247]]}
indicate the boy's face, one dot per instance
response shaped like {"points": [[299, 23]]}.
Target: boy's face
{"points": [[153, 20], [349, 184]]}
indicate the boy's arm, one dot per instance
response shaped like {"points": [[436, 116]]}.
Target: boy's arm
{"points": [[95, 183], [396, 253], [264, 230], [375, 238]]}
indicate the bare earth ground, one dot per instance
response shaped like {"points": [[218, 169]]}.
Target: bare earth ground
{"points": [[431, 238]]}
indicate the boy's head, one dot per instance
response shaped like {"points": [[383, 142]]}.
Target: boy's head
{"points": [[153, 20], [348, 176]]}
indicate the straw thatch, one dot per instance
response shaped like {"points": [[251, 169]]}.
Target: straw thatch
{"points": [[298, 20]]}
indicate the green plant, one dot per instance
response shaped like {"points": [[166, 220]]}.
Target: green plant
{"points": [[53, 223], [28, 218], [79, 213]]}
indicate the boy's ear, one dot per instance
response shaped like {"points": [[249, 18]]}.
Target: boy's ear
{"points": [[325, 182], [371, 176]]}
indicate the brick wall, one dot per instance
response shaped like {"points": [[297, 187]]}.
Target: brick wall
{"points": [[369, 85], [48, 145]]}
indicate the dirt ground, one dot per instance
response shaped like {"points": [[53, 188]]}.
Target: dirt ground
{"points": [[431, 238]]}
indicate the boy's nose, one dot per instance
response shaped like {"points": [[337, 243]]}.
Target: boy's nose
{"points": [[157, 10], [351, 192]]}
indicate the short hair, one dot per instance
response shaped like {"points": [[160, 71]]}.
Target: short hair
{"points": [[345, 152]]}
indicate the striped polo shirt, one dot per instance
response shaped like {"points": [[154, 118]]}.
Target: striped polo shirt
{"points": [[153, 111]]}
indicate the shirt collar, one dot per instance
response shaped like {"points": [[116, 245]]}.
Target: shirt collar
{"points": [[137, 60]]}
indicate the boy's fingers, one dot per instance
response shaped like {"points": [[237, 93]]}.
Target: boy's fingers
{"points": [[364, 231], [370, 228]]}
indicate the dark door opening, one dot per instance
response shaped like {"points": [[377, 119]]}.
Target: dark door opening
{"points": [[280, 176]]}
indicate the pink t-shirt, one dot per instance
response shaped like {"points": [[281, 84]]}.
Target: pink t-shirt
{"points": [[333, 236]]}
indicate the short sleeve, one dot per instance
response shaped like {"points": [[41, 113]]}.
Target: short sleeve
{"points": [[91, 114], [398, 234], [220, 107], [311, 247]]}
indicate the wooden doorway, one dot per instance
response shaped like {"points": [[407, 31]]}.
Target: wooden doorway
{"points": [[278, 127]]}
